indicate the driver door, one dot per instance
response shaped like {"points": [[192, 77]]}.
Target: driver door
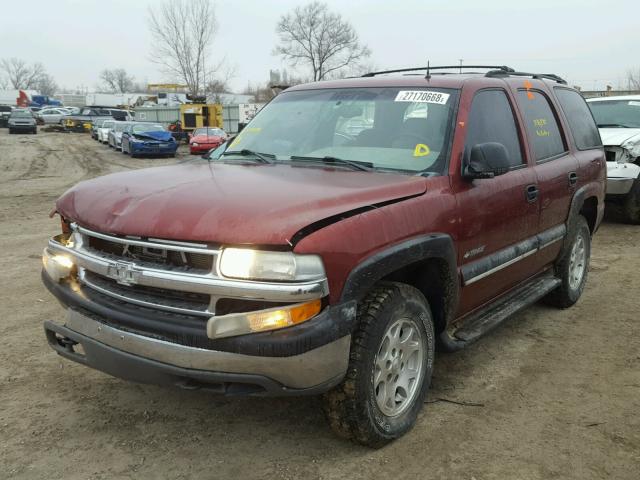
{"points": [[498, 216]]}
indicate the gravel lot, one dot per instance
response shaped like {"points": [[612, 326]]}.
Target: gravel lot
{"points": [[551, 394]]}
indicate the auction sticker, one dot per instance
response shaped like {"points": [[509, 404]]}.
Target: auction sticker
{"points": [[422, 96]]}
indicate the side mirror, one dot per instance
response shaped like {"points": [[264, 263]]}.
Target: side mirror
{"points": [[486, 160]]}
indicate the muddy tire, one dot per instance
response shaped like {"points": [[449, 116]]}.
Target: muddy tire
{"points": [[631, 205], [573, 266], [390, 366]]}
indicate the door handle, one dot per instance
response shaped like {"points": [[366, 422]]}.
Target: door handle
{"points": [[531, 193], [573, 179]]}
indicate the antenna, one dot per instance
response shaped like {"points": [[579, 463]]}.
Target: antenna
{"points": [[428, 75]]}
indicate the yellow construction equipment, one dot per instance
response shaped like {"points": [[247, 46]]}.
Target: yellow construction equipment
{"points": [[196, 115]]}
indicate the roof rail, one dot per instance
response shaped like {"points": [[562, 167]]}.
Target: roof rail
{"points": [[502, 73], [428, 68]]}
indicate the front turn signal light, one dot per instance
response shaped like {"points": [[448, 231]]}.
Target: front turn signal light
{"points": [[262, 320]]}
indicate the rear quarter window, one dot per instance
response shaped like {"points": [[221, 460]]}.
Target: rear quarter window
{"points": [[541, 124], [581, 123]]}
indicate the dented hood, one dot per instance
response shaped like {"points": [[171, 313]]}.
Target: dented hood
{"points": [[227, 203], [620, 136]]}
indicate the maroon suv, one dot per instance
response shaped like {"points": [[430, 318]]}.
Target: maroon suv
{"points": [[350, 227]]}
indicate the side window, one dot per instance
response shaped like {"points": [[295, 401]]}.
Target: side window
{"points": [[542, 126], [583, 127], [491, 120]]}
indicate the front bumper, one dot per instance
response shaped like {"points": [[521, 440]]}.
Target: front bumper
{"points": [[202, 148], [23, 128], [153, 149], [620, 177], [147, 360]]}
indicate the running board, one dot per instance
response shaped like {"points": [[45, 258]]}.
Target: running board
{"points": [[504, 307]]}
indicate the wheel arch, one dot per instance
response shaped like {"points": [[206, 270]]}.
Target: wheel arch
{"points": [[427, 263]]}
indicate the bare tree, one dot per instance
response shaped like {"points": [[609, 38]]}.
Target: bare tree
{"points": [[633, 79], [319, 38], [46, 85], [183, 31], [117, 80], [20, 75]]}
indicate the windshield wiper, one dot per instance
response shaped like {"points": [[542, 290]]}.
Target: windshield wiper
{"points": [[364, 166], [613, 125], [263, 157]]}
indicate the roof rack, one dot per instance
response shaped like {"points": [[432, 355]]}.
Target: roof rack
{"points": [[496, 71], [502, 73], [428, 68]]}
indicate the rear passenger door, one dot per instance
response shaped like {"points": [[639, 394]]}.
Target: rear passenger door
{"points": [[556, 168], [499, 219]]}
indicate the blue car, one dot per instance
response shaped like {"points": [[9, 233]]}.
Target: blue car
{"points": [[148, 139]]}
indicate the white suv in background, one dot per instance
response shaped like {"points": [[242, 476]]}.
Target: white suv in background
{"points": [[618, 120]]}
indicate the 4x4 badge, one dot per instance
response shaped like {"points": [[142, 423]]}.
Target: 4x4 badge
{"points": [[123, 272]]}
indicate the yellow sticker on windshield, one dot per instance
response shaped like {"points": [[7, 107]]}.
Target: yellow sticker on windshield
{"points": [[421, 150]]}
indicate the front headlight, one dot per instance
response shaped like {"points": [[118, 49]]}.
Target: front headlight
{"points": [[195, 144], [250, 264]]}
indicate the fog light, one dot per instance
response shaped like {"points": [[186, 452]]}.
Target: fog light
{"points": [[57, 266], [263, 320]]}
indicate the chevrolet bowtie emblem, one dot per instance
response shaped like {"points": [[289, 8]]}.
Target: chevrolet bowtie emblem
{"points": [[123, 272]]}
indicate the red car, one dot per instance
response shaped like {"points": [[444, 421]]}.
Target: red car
{"points": [[204, 139]]}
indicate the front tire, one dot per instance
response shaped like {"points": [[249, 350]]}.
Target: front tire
{"points": [[631, 205], [573, 267], [390, 367]]}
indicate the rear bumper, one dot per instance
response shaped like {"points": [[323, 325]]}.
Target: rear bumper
{"points": [[146, 360]]}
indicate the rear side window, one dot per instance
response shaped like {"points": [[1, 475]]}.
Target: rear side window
{"points": [[542, 126], [583, 127], [491, 120]]}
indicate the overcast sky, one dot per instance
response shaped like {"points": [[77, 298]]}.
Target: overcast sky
{"points": [[589, 43]]}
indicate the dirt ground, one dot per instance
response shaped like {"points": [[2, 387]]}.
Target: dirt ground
{"points": [[555, 394]]}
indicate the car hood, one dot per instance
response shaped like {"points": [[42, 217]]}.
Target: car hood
{"points": [[160, 136], [206, 139], [619, 136], [227, 203]]}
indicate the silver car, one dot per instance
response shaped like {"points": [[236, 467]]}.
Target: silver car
{"points": [[51, 116], [114, 139]]}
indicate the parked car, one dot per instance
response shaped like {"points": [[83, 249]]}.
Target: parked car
{"points": [[204, 139], [97, 125], [618, 119], [114, 138], [148, 139], [22, 120], [5, 112], [51, 116], [300, 259], [103, 130], [82, 121]]}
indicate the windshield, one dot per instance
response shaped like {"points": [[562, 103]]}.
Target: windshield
{"points": [[22, 114], [108, 124], [119, 127], [147, 128], [616, 113], [388, 128], [217, 132]]}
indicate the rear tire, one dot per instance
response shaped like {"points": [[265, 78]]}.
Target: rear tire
{"points": [[390, 366], [573, 267], [631, 205]]}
